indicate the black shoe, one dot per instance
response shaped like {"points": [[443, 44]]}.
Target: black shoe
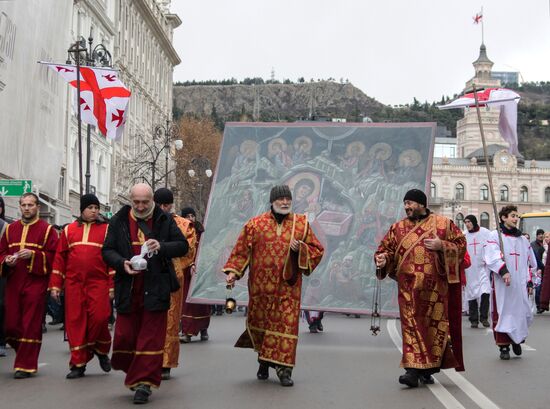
{"points": [[540, 310], [165, 374], [55, 322], [21, 375], [505, 353], [474, 324], [485, 323], [204, 335], [263, 372], [357, 315], [320, 326], [142, 394], [410, 379], [185, 339], [104, 362], [426, 379], [313, 328], [284, 373], [517, 349], [76, 372]]}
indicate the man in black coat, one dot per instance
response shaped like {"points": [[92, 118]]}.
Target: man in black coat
{"points": [[142, 287]]}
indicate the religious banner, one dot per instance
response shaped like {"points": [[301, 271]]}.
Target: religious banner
{"points": [[349, 179]]}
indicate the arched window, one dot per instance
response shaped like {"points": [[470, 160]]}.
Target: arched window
{"points": [[547, 195], [433, 190], [484, 220], [459, 191], [523, 194], [504, 193], [460, 221], [484, 192]]}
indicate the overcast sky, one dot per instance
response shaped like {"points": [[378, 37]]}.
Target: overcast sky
{"points": [[393, 50]]}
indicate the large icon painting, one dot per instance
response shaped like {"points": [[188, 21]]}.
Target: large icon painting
{"points": [[349, 179]]}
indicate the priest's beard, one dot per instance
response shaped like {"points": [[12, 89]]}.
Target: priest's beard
{"points": [[281, 209], [414, 214]]}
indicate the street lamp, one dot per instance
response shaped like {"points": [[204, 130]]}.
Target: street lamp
{"points": [[91, 57], [166, 134], [453, 204], [200, 166]]}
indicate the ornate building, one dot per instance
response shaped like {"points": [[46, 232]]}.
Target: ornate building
{"points": [[459, 185]]}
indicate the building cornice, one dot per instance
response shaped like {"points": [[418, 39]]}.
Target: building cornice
{"points": [[157, 29], [100, 13]]}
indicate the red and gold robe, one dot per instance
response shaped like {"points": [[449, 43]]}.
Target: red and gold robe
{"points": [[172, 343], [138, 343], [194, 317], [27, 282], [79, 269], [427, 285], [274, 305]]}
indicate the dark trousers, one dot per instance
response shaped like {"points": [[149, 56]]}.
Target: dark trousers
{"points": [[481, 313], [2, 291]]}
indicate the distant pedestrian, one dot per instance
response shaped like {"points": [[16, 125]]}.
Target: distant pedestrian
{"points": [[149, 236], [3, 225], [511, 312], [27, 250], [538, 248]]}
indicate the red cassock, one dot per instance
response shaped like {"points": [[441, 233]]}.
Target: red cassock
{"points": [[138, 344], [27, 282], [79, 269]]}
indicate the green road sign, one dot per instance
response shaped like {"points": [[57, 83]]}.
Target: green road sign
{"points": [[108, 215], [14, 187]]}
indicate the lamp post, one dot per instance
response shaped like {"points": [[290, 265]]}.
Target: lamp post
{"points": [[200, 166], [91, 57], [453, 204], [166, 134]]}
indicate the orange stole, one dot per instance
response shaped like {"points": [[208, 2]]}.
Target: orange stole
{"points": [[172, 344], [423, 278], [274, 306]]}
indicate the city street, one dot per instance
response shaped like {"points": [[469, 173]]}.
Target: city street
{"points": [[344, 367]]}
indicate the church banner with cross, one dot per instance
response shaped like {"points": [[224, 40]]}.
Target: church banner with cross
{"points": [[349, 179]]}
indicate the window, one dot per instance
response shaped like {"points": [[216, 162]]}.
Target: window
{"points": [[484, 192], [460, 221], [504, 193], [484, 220], [523, 194], [547, 195], [459, 191], [433, 190]]}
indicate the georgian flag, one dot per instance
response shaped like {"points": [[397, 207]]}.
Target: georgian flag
{"points": [[504, 98], [103, 97]]}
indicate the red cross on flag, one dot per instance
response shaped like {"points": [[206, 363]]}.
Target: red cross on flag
{"points": [[506, 99], [103, 97]]}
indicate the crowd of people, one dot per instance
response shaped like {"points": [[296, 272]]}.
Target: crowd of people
{"points": [[142, 260]]}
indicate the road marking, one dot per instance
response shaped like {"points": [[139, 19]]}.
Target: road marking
{"points": [[442, 394], [439, 391], [40, 365]]}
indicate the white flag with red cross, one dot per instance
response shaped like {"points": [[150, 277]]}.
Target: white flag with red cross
{"points": [[503, 98], [103, 97]]}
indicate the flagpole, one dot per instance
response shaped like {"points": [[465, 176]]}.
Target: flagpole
{"points": [[488, 167]]}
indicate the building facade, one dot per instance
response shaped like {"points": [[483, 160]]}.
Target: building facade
{"points": [[459, 184]]}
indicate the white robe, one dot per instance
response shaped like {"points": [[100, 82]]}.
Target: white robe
{"points": [[477, 275], [513, 307]]}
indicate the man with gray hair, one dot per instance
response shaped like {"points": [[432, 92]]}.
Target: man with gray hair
{"points": [[140, 244], [278, 247]]}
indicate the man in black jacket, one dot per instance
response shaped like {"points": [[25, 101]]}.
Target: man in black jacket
{"points": [[142, 287]]}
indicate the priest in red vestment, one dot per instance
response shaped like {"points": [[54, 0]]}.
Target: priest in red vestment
{"points": [[423, 253], [141, 242], [27, 250], [278, 247], [195, 318], [88, 283]]}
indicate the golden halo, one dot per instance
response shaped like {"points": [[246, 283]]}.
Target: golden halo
{"points": [[355, 149], [380, 149], [272, 143], [248, 148], [303, 140], [291, 182], [410, 158]]}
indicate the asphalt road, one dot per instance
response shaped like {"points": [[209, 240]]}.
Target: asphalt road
{"points": [[344, 367]]}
